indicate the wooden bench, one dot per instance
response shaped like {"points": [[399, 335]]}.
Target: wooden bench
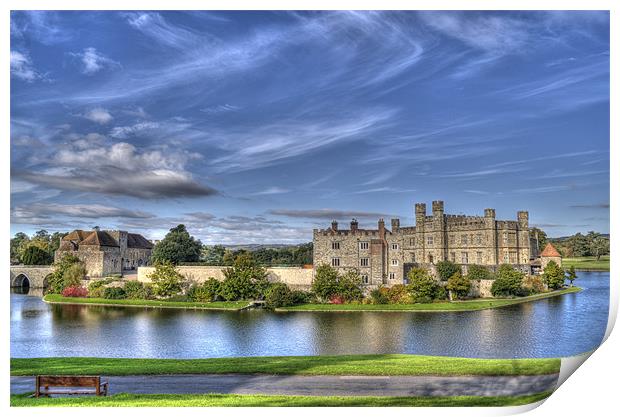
{"points": [[70, 385]]}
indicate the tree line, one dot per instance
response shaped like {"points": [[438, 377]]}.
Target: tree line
{"points": [[577, 245]]}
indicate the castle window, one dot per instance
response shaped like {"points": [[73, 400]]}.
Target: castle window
{"points": [[479, 258], [452, 239], [335, 245], [394, 246], [365, 279], [453, 256], [413, 257], [364, 262], [335, 261], [412, 241], [392, 275], [513, 257], [464, 240], [429, 240], [464, 258], [505, 257], [395, 262], [364, 245], [505, 238], [479, 239]]}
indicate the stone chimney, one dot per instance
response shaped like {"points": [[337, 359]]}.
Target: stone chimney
{"points": [[334, 226], [395, 224], [437, 208], [381, 226], [489, 212], [524, 219], [354, 225]]}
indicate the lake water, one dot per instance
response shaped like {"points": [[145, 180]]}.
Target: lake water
{"points": [[554, 327]]}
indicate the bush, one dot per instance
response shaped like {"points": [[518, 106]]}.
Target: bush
{"points": [[379, 296], [350, 286], [136, 290], [206, 292], [56, 281], [34, 255], [301, 297], [422, 287], [75, 291], [478, 272], [167, 281], [398, 294], [96, 289], [245, 280], [336, 299], [279, 295], [114, 293], [509, 282], [459, 285], [325, 283], [553, 275], [533, 284], [445, 269], [74, 275]]}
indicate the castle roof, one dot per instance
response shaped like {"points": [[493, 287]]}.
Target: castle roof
{"points": [[78, 235], [135, 240], [105, 238], [99, 238], [550, 252]]}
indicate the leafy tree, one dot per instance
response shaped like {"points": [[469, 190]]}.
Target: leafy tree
{"points": [[325, 283], [279, 295], [206, 292], [213, 255], [34, 255], [478, 272], [459, 285], [18, 240], [422, 287], [114, 293], [445, 269], [54, 242], [56, 281], [508, 282], [553, 275], [398, 294], [599, 247], [535, 232], [73, 275], [136, 290], [245, 280], [167, 281], [350, 285], [571, 275], [177, 246], [533, 284], [379, 296]]}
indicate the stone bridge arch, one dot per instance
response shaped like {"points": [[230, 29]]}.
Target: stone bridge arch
{"points": [[36, 276]]}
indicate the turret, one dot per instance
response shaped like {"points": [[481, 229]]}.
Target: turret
{"points": [[489, 212], [381, 227], [354, 225], [420, 214], [523, 217], [438, 208], [395, 225], [334, 226]]}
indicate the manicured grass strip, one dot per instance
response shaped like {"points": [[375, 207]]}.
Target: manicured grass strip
{"points": [[216, 305], [587, 263], [235, 400], [472, 305], [288, 365]]}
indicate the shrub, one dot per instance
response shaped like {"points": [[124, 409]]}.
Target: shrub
{"points": [[379, 296], [553, 275], [245, 280], [96, 289], [422, 287], [301, 297], [350, 285], [445, 269], [34, 255], [459, 285], [74, 275], [114, 293], [206, 292], [478, 272], [279, 295], [336, 299], [508, 282], [571, 275], [167, 281], [136, 290], [56, 281], [533, 284], [398, 294], [74, 291], [325, 283]]}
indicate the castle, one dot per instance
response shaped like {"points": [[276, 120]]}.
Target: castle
{"points": [[383, 257], [106, 252]]}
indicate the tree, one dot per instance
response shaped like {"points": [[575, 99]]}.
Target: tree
{"points": [[73, 275], [459, 285], [213, 255], [167, 281], [244, 280], [177, 246], [599, 247], [206, 292], [325, 283], [34, 255], [539, 234], [350, 285], [56, 281], [445, 269], [279, 295], [508, 282], [571, 275], [553, 275], [17, 242], [422, 287], [478, 272]]}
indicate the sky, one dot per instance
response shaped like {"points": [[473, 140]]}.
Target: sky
{"points": [[256, 127]]}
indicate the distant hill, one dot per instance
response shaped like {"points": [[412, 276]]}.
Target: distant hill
{"points": [[563, 238], [256, 246]]}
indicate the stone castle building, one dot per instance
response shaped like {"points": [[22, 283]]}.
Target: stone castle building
{"points": [[384, 256], [106, 252]]}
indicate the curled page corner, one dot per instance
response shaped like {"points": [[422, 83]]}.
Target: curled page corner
{"points": [[570, 365]]}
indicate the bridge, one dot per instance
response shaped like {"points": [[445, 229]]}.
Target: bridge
{"points": [[33, 276]]}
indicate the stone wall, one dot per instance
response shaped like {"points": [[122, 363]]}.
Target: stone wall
{"points": [[294, 277], [481, 288]]}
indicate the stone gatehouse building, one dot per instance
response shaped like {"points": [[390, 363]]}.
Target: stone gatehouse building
{"points": [[106, 252], [384, 256]]}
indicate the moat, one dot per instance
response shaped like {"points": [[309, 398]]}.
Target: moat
{"points": [[560, 326]]}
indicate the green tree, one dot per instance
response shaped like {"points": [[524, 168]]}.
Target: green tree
{"points": [[553, 275], [571, 275], [445, 269], [459, 285], [54, 243], [213, 255], [177, 246], [508, 282], [74, 275], [478, 272], [136, 290], [34, 255], [535, 232], [206, 292], [599, 247], [56, 281], [279, 295], [17, 242], [422, 287], [245, 279], [350, 285], [166, 280], [325, 283]]}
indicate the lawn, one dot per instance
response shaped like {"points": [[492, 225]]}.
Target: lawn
{"points": [[587, 263], [216, 305], [235, 400], [471, 305], [393, 364]]}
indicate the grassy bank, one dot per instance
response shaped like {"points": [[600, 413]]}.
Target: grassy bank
{"points": [[587, 263], [288, 365], [471, 305], [235, 400], [216, 305]]}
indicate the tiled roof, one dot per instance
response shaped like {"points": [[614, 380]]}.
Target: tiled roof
{"points": [[78, 235], [135, 240], [99, 238], [550, 252]]}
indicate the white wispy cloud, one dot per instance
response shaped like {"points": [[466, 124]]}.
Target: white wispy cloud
{"points": [[272, 191], [22, 68], [122, 132], [93, 61], [99, 115]]}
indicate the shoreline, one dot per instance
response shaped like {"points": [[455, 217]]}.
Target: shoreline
{"points": [[146, 303]]}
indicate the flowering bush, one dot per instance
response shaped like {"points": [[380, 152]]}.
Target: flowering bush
{"points": [[74, 291], [336, 299]]}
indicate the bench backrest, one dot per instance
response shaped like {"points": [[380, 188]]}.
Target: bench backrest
{"points": [[68, 381]]}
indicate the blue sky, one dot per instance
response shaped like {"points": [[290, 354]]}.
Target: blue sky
{"points": [[256, 127]]}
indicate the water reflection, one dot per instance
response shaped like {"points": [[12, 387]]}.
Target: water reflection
{"points": [[560, 326]]}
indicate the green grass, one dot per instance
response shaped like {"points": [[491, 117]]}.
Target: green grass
{"points": [[287, 365], [216, 305], [235, 400], [471, 305], [587, 263]]}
